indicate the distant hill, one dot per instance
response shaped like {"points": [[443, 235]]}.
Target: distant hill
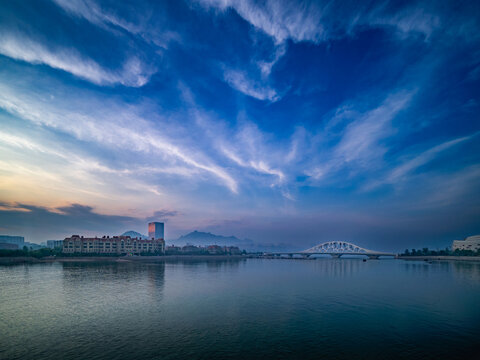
{"points": [[206, 238], [134, 234]]}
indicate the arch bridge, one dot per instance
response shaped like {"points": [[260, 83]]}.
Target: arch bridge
{"points": [[336, 249]]}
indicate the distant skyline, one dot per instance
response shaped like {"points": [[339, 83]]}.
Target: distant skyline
{"points": [[278, 121]]}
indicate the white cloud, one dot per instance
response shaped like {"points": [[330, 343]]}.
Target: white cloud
{"points": [[92, 12], [21, 48], [360, 142], [400, 173], [239, 81], [259, 165], [117, 129], [319, 21], [314, 22], [281, 20], [107, 19], [408, 21], [266, 66]]}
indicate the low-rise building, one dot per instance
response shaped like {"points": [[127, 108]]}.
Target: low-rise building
{"points": [[112, 245], [32, 246], [470, 243], [215, 250], [191, 249], [55, 244], [8, 239], [232, 250], [173, 250], [8, 246]]}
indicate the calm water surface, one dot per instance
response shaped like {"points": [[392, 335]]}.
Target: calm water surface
{"points": [[245, 309]]}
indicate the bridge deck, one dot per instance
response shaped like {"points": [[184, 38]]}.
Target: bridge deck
{"points": [[305, 254]]}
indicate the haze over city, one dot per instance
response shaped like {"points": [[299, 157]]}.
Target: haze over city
{"points": [[282, 122]]}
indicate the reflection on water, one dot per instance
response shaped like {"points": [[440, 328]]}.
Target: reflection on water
{"points": [[112, 278], [325, 308], [468, 270]]}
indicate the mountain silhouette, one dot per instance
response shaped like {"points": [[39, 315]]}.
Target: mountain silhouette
{"points": [[134, 234]]}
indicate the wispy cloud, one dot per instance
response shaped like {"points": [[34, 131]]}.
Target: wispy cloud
{"points": [[240, 81], [266, 66], [108, 129], [401, 172], [315, 21], [163, 215], [360, 142], [94, 13], [58, 222], [349, 119], [133, 72], [108, 19], [281, 20], [406, 22]]}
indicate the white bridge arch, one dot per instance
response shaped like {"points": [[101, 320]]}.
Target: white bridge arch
{"points": [[338, 247]]}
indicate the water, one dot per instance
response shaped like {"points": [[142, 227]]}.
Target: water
{"points": [[245, 309]]}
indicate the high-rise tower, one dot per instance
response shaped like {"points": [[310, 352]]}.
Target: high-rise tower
{"points": [[156, 230]]}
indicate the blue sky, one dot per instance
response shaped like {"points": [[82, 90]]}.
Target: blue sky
{"points": [[285, 122]]}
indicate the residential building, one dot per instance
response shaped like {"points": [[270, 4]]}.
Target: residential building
{"points": [[232, 250], [112, 245], [215, 250]]}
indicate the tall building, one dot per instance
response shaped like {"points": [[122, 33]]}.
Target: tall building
{"points": [[156, 230], [470, 243]]}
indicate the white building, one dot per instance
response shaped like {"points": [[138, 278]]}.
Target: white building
{"points": [[469, 243]]}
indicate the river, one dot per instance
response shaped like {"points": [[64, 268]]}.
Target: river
{"points": [[241, 309]]}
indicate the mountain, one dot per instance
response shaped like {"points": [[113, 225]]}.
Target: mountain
{"points": [[134, 234], [206, 238]]}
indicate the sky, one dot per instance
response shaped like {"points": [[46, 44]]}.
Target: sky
{"points": [[286, 122]]}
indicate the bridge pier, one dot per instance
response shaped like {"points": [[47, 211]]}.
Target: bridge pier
{"points": [[373, 257], [335, 256]]}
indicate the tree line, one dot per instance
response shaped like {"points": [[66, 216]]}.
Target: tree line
{"points": [[39, 253], [444, 252]]}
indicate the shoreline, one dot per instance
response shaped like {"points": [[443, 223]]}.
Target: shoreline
{"points": [[440, 258], [113, 259], [169, 258]]}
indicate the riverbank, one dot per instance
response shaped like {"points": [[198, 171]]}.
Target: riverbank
{"points": [[165, 258], [170, 258], [446, 257]]}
